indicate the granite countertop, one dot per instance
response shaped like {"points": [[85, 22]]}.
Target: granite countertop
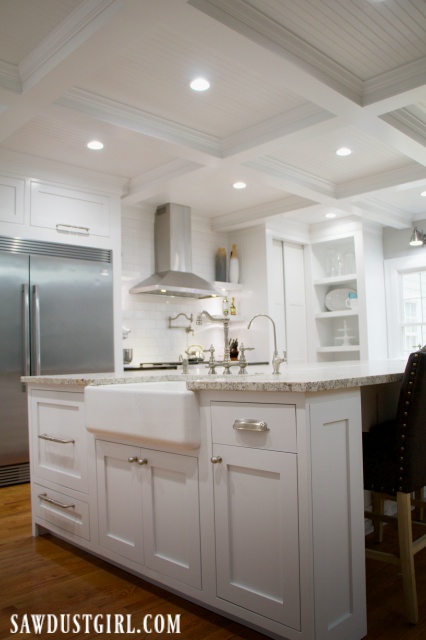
{"points": [[300, 377]]}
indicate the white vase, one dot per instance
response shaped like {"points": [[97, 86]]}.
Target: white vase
{"points": [[234, 266]]}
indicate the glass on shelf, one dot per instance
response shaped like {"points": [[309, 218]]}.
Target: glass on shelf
{"points": [[349, 262], [334, 263]]}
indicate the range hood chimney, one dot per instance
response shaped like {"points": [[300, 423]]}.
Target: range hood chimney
{"points": [[173, 257]]}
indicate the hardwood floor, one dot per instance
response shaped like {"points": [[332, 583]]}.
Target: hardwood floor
{"points": [[47, 575]]}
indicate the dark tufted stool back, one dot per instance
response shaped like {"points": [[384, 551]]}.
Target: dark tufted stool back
{"points": [[394, 457], [395, 452]]}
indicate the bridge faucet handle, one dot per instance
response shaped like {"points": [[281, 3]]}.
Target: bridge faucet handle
{"points": [[242, 359], [211, 350], [212, 363], [242, 350]]}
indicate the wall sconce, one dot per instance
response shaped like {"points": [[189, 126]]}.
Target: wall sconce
{"points": [[418, 238]]}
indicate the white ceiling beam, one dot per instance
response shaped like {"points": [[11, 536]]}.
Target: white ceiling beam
{"points": [[246, 217], [133, 119], [90, 37], [152, 182]]}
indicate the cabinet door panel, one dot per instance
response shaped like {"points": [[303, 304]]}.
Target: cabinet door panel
{"points": [[66, 209], [256, 520], [171, 515], [119, 500]]}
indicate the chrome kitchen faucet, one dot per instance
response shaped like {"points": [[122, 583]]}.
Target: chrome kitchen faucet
{"points": [[276, 360]]}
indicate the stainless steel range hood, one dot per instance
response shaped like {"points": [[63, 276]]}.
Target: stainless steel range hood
{"points": [[173, 257]]}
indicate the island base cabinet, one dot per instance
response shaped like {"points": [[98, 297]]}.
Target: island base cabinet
{"points": [[148, 507], [256, 528]]}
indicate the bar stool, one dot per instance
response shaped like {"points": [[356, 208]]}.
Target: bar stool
{"points": [[394, 457]]}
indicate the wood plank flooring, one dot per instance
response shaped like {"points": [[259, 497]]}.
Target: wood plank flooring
{"points": [[47, 575]]}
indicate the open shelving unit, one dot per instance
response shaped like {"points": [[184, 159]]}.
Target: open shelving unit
{"points": [[350, 257]]}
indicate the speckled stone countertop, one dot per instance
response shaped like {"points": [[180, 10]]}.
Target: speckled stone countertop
{"points": [[301, 378]]}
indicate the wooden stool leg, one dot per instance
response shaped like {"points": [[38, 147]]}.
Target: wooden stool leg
{"points": [[407, 557]]}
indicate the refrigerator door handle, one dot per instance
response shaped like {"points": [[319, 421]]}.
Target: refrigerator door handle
{"points": [[25, 333], [35, 342]]}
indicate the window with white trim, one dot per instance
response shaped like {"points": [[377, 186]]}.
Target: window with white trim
{"points": [[405, 284], [413, 310]]}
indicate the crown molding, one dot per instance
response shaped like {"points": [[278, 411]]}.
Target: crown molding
{"points": [[274, 128], [388, 179], [380, 213], [292, 174], [259, 28], [9, 77], [137, 187], [406, 121], [254, 215], [138, 120], [394, 82], [68, 36]]}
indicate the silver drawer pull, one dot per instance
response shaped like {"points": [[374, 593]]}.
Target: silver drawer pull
{"points": [[45, 436], [62, 505], [246, 424], [72, 228]]}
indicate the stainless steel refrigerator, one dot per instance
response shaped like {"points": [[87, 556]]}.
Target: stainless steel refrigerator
{"points": [[56, 316]]}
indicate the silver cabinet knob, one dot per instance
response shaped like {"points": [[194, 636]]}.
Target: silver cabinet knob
{"points": [[132, 459], [216, 459], [142, 461]]}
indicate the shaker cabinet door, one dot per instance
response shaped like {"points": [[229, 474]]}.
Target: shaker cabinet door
{"points": [[172, 515], [256, 527], [119, 499]]}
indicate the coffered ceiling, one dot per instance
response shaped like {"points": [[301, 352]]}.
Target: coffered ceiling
{"points": [[291, 82]]}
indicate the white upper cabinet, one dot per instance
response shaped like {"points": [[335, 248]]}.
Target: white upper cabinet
{"points": [[69, 210], [12, 200]]}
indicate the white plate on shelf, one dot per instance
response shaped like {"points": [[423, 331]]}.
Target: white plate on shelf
{"points": [[335, 300]]}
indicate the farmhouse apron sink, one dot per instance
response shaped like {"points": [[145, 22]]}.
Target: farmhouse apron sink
{"points": [[148, 412]]}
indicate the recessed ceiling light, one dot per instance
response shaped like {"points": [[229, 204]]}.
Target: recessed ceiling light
{"points": [[423, 193], [200, 84], [95, 145], [239, 185], [330, 214], [344, 151]]}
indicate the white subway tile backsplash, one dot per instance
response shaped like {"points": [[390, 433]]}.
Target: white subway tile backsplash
{"points": [[147, 317]]}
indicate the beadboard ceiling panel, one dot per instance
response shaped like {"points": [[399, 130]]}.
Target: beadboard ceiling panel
{"points": [[57, 139], [155, 72], [291, 81], [25, 23], [367, 37], [317, 155]]}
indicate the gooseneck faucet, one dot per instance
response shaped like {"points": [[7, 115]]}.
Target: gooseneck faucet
{"points": [[276, 360], [225, 321]]}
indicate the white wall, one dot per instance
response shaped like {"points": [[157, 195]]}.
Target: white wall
{"points": [[251, 251], [396, 241]]}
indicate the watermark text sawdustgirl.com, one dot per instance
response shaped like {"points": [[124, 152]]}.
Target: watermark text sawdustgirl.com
{"points": [[108, 623]]}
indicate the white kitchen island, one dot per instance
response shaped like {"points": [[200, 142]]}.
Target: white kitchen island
{"points": [[261, 518]]}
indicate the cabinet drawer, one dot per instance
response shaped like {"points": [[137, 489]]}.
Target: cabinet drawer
{"points": [[255, 425], [59, 438], [60, 509]]}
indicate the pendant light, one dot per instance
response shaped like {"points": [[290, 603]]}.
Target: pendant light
{"points": [[417, 238]]}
